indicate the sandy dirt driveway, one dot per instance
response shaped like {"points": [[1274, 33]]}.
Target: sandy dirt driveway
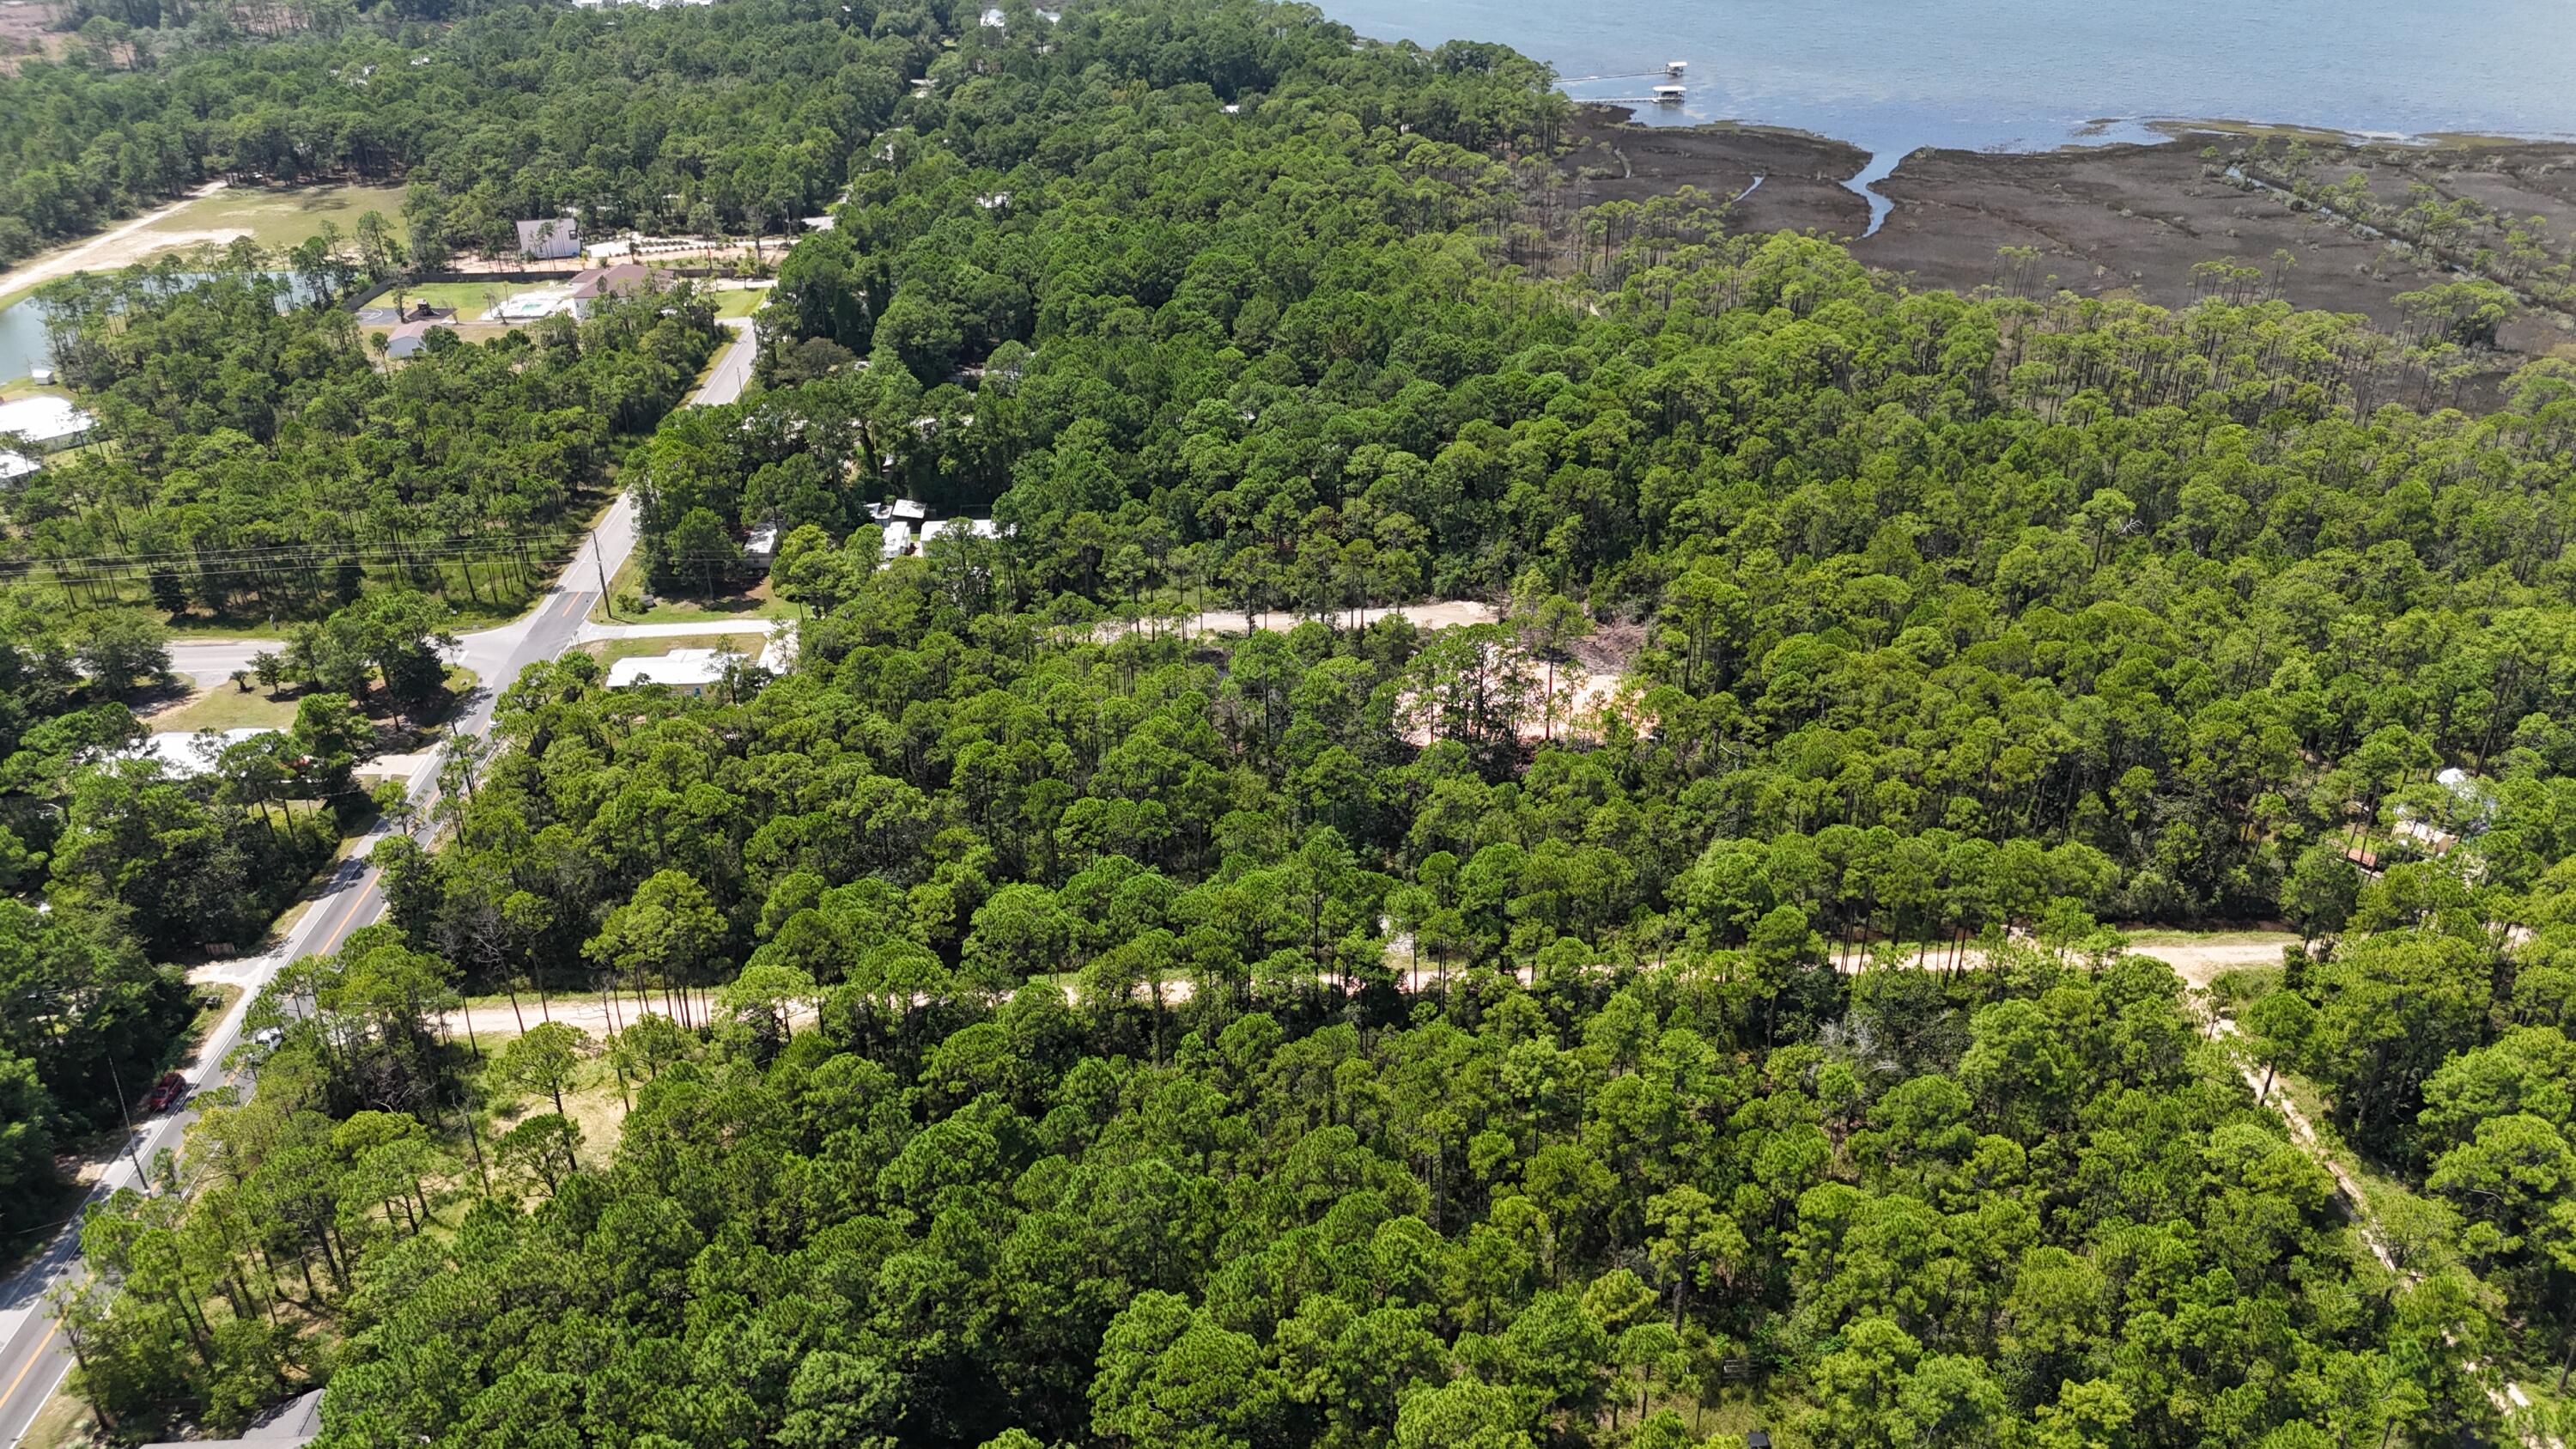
{"points": [[120, 246]]}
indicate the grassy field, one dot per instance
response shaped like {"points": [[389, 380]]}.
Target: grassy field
{"points": [[741, 302], [2162, 937], [470, 299], [63, 1423], [226, 708], [594, 1101], [272, 216], [18, 387], [281, 216], [609, 651], [213, 1000], [755, 602]]}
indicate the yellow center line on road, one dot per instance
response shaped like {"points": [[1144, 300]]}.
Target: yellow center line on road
{"points": [[44, 1350], [336, 934]]}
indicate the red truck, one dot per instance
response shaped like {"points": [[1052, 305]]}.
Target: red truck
{"points": [[169, 1092]]}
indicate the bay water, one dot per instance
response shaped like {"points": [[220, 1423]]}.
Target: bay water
{"points": [[2023, 75]]}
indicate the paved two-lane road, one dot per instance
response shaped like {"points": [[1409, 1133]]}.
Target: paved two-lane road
{"points": [[33, 1358], [733, 370]]}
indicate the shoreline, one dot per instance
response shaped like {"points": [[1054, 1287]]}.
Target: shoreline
{"points": [[2139, 219], [2099, 134]]}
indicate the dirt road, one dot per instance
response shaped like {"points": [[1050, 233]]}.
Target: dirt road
{"points": [[117, 247]]}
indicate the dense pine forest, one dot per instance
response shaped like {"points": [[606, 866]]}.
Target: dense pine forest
{"points": [[264, 459], [1030, 1020], [735, 120]]}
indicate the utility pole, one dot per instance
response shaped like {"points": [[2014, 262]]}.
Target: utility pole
{"points": [[607, 605], [118, 1081]]}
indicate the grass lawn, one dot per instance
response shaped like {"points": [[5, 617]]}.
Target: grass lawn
{"points": [[273, 216], [755, 602], [593, 1102], [741, 302], [226, 708], [213, 1000], [609, 651], [18, 388], [63, 1423], [2143, 940], [470, 299], [281, 216]]}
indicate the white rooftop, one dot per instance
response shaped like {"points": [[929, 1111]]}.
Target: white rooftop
{"points": [[180, 754], [44, 419], [14, 466], [680, 667], [898, 539]]}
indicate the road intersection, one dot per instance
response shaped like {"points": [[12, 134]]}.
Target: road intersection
{"points": [[33, 1356]]}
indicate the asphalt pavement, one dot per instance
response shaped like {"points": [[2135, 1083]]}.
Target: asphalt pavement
{"points": [[733, 370], [33, 1357]]}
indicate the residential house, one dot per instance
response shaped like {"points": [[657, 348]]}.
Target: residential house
{"points": [[624, 279], [185, 755], [45, 423], [690, 671], [409, 340], [554, 239]]}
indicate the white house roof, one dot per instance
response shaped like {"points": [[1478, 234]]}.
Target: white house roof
{"points": [[14, 466], [178, 752], [44, 419], [898, 539], [763, 541], [971, 527], [680, 667]]}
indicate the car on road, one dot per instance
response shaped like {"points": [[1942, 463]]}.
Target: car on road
{"points": [[169, 1092]]}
